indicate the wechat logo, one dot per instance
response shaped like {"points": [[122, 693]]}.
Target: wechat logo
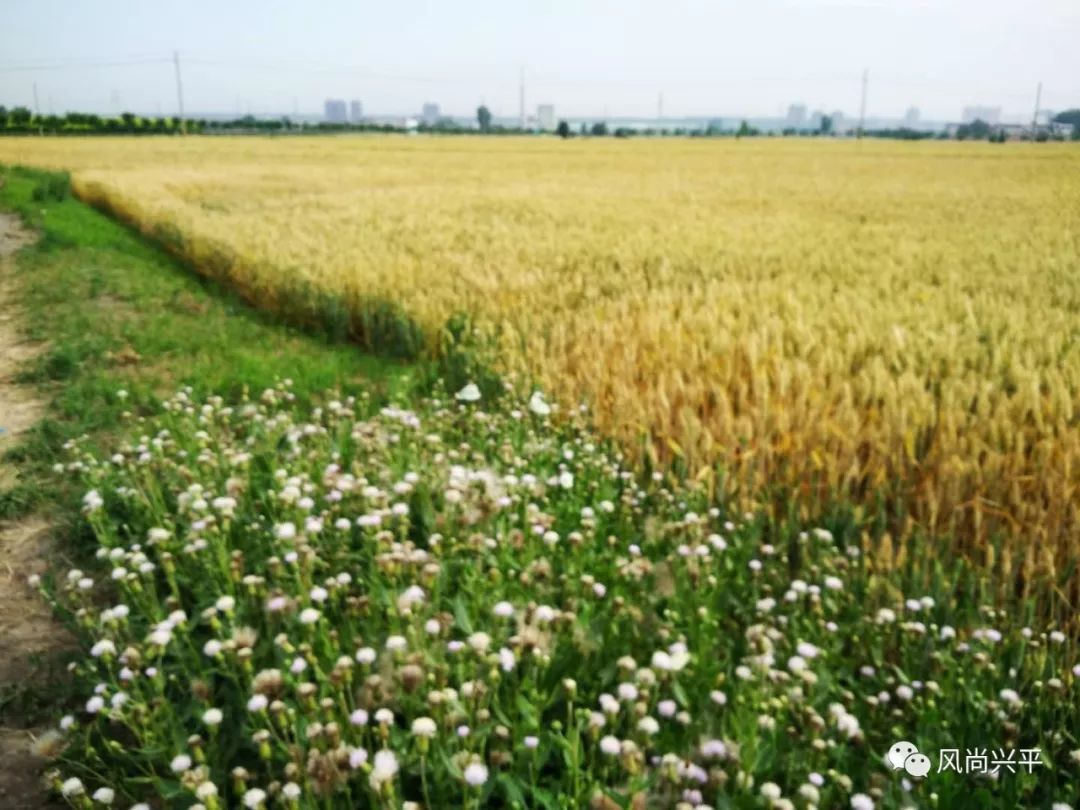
{"points": [[905, 756]]}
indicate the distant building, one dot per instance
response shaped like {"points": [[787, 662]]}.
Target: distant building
{"points": [[991, 115], [838, 123], [796, 116], [334, 111], [911, 117], [430, 112], [1013, 132], [816, 117], [356, 111], [545, 116]]}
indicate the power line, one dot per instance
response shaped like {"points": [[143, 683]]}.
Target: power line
{"points": [[862, 104], [179, 90], [79, 59], [79, 63], [522, 98], [553, 81], [23, 68]]}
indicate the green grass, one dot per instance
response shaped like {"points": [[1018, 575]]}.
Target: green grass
{"points": [[116, 313]]}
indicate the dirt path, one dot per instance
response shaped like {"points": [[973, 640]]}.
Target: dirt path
{"points": [[28, 632]]}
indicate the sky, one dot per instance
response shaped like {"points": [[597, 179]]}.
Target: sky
{"points": [[587, 57]]}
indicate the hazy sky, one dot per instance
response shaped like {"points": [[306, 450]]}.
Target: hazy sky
{"points": [[588, 57]]}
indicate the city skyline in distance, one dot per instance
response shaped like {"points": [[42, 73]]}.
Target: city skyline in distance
{"points": [[544, 117], [585, 58]]}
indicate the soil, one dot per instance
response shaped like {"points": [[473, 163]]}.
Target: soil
{"points": [[29, 636]]}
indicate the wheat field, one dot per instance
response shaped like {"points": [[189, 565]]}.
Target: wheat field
{"points": [[894, 324]]}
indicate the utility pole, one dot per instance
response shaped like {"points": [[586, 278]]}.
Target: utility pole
{"points": [[522, 100], [37, 111], [1035, 116], [862, 105], [179, 91]]}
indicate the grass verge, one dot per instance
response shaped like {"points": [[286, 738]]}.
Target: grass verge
{"points": [[118, 314]]}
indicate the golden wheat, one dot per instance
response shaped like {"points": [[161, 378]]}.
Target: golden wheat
{"points": [[868, 320]]}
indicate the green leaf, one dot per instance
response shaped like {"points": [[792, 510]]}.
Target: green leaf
{"points": [[544, 798], [461, 614], [512, 789], [172, 789], [526, 710], [680, 693]]}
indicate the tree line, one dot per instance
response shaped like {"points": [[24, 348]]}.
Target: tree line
{"points": [[22, 121]]}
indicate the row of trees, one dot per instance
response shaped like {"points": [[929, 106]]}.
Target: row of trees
{"points": [[744, 130], [21, 120], [979, 130]]}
